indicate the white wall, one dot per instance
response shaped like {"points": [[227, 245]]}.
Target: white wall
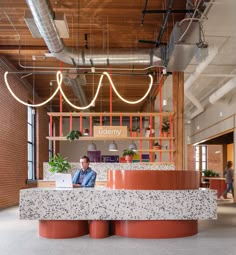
{"points": [[215, 120]]}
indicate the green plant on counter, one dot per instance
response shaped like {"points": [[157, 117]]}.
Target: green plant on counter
{"points": [[58, 164], [73, 134], [128, 152], [210, 173]]}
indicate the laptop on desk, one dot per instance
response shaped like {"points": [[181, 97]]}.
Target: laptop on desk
{"points": [[63, 180]]}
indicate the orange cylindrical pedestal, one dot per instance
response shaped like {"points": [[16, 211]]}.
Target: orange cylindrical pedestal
{"points": [[155, 228], [99, 228], [60, 229]]}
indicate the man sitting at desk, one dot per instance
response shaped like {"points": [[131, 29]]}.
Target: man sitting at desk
{"points": [[84, 177]]}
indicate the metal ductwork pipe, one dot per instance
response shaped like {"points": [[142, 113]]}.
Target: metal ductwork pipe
{"points": [[77, 89], [221, 92], [43, 17], [193, 77]]}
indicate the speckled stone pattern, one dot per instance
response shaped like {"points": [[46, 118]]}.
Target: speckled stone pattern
{"points": [[108, 204], [101, 168]]}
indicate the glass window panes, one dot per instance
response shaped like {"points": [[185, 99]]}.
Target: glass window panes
{"points": [[30, 141]]}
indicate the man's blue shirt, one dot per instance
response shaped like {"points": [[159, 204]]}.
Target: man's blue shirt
{"points": [[85, 178]]}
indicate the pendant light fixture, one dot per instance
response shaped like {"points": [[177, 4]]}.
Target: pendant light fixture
{"points": [[92, 147], [113, 146], [133, 146]]}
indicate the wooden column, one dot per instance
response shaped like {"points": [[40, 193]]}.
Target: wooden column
{"points": [[178, 118]]}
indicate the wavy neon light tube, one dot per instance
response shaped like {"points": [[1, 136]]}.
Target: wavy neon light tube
{"points": [[27, 104], [59, 77]]}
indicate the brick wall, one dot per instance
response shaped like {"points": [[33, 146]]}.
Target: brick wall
{"points": [[13, 140], [214, 158]]}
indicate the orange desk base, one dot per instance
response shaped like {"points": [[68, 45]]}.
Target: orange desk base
{"points": [[155, 228], [99, 228], [59, 229]]}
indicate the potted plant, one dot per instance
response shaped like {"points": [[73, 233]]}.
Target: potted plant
{"points": [[58, 164], [165, 127], [134, 131], [156, 146], [73, 134], [128, 154], [210, 173]]}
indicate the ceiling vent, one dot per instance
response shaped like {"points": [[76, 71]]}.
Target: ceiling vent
{"points": [[59, 20], [183, 45]]}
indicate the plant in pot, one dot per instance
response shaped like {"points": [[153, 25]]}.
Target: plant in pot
{"points": [[73, 134], [156, 146], [58, 164], [128, 154], [134, 131], [165, 127], [210, 173]]}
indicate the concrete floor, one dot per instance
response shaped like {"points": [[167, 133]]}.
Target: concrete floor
{"points": [[216, 237]]}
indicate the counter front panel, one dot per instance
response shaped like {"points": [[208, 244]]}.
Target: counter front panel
{"points": [[107, 204]]}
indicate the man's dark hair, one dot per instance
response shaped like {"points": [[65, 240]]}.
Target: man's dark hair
{"points": [[85, 157]]}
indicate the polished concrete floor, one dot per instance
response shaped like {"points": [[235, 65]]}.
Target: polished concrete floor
{"points": [[215, 237]]}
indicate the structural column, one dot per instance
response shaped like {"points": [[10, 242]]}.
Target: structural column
{"points": [[178, 118]]}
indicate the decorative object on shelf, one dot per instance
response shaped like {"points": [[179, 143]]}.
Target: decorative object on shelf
{"points": [[156, 146], [92, 147], [113, 146], [133, 146], [148, 132], [73, 134], [210, 173], [134, 132], [128, 154], [165, 126], [59, 164], [86, 131]]}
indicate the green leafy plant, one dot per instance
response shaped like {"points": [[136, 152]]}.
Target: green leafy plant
{"points": [[58, 164], [156, 143], [73, 134], [128, 152], [165, 125], [134, 129], [210, 173]]}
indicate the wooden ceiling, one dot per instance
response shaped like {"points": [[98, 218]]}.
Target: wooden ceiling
{"points": [[93, 25]]}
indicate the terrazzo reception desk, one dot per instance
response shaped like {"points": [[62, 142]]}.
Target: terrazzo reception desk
{"points": [[136, 203]]}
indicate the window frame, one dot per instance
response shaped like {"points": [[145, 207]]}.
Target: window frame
{"points": [[31, 138]]}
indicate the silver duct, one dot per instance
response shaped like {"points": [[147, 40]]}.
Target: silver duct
{"points": [[43, 17], [77, 89]]}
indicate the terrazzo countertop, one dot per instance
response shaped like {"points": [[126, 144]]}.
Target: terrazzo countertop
{"points": [[108, 204], [101, 168]]}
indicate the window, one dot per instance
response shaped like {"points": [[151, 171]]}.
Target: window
{"points": [[204, 157], [201, 157], [31, 142]]}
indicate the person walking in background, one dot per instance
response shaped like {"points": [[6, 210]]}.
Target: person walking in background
{"points": [[229, 179]]}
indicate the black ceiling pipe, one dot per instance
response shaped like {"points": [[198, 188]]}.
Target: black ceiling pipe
{"points": [[163, 26]]}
